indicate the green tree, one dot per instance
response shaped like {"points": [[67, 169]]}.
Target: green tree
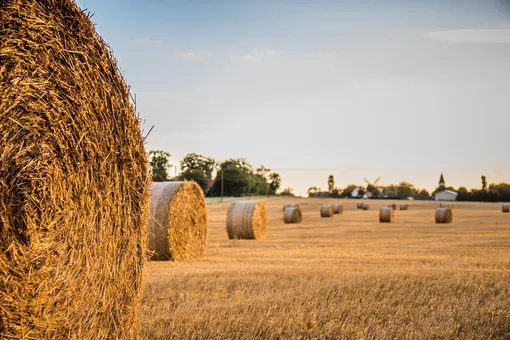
{"points": [[331, 183], [484, 183], [159, 162], [275, 181], [195, 176], [197, 162], [424, 193], [237, 178]]}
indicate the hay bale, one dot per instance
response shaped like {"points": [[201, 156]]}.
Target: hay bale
{"points": [[360, 205], [445, 205], [292, 215], [73, 180], [404, 207], [290, 205], [386, 215], [247, 220], [365, 206], [327, 210], [506, 208], [392, 206], [178, 221], [338, 209], [444, 215]]}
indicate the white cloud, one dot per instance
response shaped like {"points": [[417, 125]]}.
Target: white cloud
{"points": [[193, 55], [256, 55], [147, 41], [471, 36]]}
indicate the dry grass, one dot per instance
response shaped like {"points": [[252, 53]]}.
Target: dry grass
{"points": [[73, 179], [348, 276]]}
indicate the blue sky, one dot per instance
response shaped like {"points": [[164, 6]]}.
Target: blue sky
{"points": [[401, 89]]}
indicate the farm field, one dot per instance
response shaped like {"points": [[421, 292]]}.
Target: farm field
{"points": [[343, 277]]}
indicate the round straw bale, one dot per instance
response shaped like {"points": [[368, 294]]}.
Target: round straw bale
{"points": [[290, 205], [73, 180], [327, 210], [445, 205], [178, 221], [338, 209], [247, 220], [386, 215], [365, 206], [404, 207], [360, 205], [392, 206], [444, 215], [506, 208], [292, 215]]}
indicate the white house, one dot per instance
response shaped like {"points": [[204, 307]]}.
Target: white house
{"points": [[446, 195]]}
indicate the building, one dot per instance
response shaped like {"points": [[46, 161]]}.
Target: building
{"points": [[446, 195]]}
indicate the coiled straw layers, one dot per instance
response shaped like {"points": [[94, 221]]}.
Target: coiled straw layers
{"points": [[292, 215], [247, 220], [73, 179], [178, 221]]}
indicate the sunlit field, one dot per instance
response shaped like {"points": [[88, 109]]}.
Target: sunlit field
{"points": [[343, 277]]}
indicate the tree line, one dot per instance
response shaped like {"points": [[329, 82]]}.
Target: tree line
{"points": [[232, 177]]}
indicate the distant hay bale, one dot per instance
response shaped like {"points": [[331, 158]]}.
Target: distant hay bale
{"points": [[290, 205], [292, 215], [365, 206], [506, 208], [73, 180], [359, 205], [338, 209], [178, 221], [404, 207], [392, 206], [247, 220], [386, 215], [327, 210], [445, 205], [444, 215]]}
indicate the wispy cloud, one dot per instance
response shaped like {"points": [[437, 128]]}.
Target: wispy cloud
{"points": [[147, 41], [256, 55], [193, 55], [494, 36]]}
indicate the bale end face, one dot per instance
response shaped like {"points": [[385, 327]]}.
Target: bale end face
{"points": [[444, 215], [506, 208], [247, 221], [338, 209], [392, 206], [327, 211], [292, 215], [386, 215]]}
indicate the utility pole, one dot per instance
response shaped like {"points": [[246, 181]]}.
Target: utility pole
{"points": [[222, 185]]}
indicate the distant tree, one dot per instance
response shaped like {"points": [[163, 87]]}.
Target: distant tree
{"points": [[347, 191], [463, 194], [484, 183], [275, 182], [288, 192], [331, 183], [197, 162], [159, 161], [195, 176], [424, 193]]}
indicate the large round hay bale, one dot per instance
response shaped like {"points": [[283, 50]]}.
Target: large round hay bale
{"points": [[292, 215], [178, 221], [445, 205], [506, 208], [290, 205], [73, 180], [404, 206], [365, 206], [386, 215], [247, 221], [444, 215], [359, 205], [392, 206], [327, 210], [338, 209]]}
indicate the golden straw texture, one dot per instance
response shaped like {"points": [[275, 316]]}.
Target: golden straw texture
{"points": [[178, 221], [247, 220], [73, 179], [292, 215]]}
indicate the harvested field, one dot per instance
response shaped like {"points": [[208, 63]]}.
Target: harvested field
{"points": [[349, 276]]}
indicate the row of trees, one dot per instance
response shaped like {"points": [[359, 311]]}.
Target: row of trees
{"points": [[232, 177], [496, 192]]}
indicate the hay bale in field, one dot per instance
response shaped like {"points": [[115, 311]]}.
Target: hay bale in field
{"points": [[327, 210], [444, 215], [445, 205], [73, 179], [506, 208], [365, 206], [247, 220], [404, 207], [290, 205], [292, 215], [392, 206], [359, 205], [338, 209], [386, 215], [178, 221]]}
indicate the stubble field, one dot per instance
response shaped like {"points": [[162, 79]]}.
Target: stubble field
{"points": [[343, 277]]}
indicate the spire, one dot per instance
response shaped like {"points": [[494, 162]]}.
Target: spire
{"points": [[441, 181]]}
